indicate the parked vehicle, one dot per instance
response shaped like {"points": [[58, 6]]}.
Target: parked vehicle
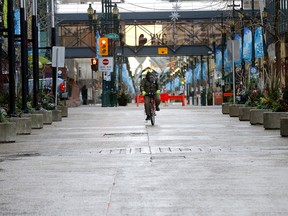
{"points": [[46, 85]]}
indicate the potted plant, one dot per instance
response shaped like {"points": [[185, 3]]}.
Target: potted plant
{"points": [[276, 100], [123, 99]]}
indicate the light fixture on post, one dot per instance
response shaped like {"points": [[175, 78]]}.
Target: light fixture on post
{"points": [[241, 16], [90, 15]]}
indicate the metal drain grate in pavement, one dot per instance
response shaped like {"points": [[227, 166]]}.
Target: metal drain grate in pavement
{"points": [[147, 150], [169, 150], [123, 134]]}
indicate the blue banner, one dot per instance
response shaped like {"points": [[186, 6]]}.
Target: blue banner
{"points": [[168, 87], [218, 57], [177, 82], [238, 38], [127, 79], [227, 62], [188, 76], [259, 46], [197, 71], [247, 45], [204, 71], [17, 21], [97, 45]]}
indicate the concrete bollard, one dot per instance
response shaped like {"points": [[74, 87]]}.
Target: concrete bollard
{"points": [[256, 116], [271, 120], [56, 115], [284, 126], [64, 110], [23, 125], [244, 113], [225, 108], [47, 116], [7, 132], [36, 121], [234, 109]]}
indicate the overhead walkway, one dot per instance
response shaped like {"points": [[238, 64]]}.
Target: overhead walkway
{"points": [[192, 35]]}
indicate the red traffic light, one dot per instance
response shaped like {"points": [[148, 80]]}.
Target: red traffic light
{"points": [[94, 61]]}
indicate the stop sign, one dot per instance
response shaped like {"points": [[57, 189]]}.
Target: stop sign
{"points": [[106, 64], [105, 61]]}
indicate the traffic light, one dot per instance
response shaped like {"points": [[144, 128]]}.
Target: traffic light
{"points": [[94, 64], [103, 43]]}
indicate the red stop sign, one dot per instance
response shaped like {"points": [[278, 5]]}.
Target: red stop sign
{"points": [[105, 61]]}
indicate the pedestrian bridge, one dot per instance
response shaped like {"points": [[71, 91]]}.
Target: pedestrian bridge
{"points": [[194, 34]]}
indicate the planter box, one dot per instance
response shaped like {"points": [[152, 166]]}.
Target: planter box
{"points": [[284, 126], [271, 120], [36, 119], [23, 125], [234, 109], [56, 115], [256, 116], [64, 110], [244, 113], [225, 108], [47, 116], [7, 132]]}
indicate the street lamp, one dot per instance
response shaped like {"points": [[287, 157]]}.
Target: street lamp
{"points": [[109, 23]]}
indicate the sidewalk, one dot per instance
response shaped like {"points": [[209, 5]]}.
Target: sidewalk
{"points": [[110, 162]]}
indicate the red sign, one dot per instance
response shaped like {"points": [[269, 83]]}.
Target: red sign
{"points": [[105, 61]]}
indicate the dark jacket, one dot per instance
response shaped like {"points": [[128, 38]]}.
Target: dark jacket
{"points": [[148, 86]]}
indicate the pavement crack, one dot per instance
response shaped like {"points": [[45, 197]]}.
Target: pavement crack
{"points": [[110, 193]]}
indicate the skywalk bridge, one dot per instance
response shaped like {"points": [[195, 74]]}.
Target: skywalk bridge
{"points": [[193, 34]]}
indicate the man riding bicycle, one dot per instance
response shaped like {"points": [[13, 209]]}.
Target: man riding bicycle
{"points": [[150, 89]]}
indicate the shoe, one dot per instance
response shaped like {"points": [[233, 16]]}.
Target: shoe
{"points": [[148, 118], [157, 108]]}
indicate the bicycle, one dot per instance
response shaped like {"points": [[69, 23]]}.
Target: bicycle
{"points": [[152, 107]]}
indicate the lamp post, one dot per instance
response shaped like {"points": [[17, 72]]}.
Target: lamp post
{"points": [[1, 41], [223, 46], [109, 27], [24, 55], [11, 54], [35, 55], [93, 22]]}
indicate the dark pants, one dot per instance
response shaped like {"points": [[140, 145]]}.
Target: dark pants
{"points": [[147, 103]]}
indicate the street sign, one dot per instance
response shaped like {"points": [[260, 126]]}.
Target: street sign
{"points": [[233, 50], [112, 36], [162, 50], [58, 56], [106, 64]]}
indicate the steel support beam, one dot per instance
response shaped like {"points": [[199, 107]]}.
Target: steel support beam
{"points": [[131, 51]]}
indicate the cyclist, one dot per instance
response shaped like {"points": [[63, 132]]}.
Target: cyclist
{"points": [[150, 88]]}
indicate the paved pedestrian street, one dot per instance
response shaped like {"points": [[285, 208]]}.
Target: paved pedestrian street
{"points": [[111, 162]]}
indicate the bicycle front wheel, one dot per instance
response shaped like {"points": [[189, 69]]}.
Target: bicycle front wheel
{"points": [[153, 119]]}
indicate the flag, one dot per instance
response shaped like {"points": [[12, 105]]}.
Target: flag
{"points": [[218, 59], [247, 45], [258, 45], [97, 45], [188, 76]]}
